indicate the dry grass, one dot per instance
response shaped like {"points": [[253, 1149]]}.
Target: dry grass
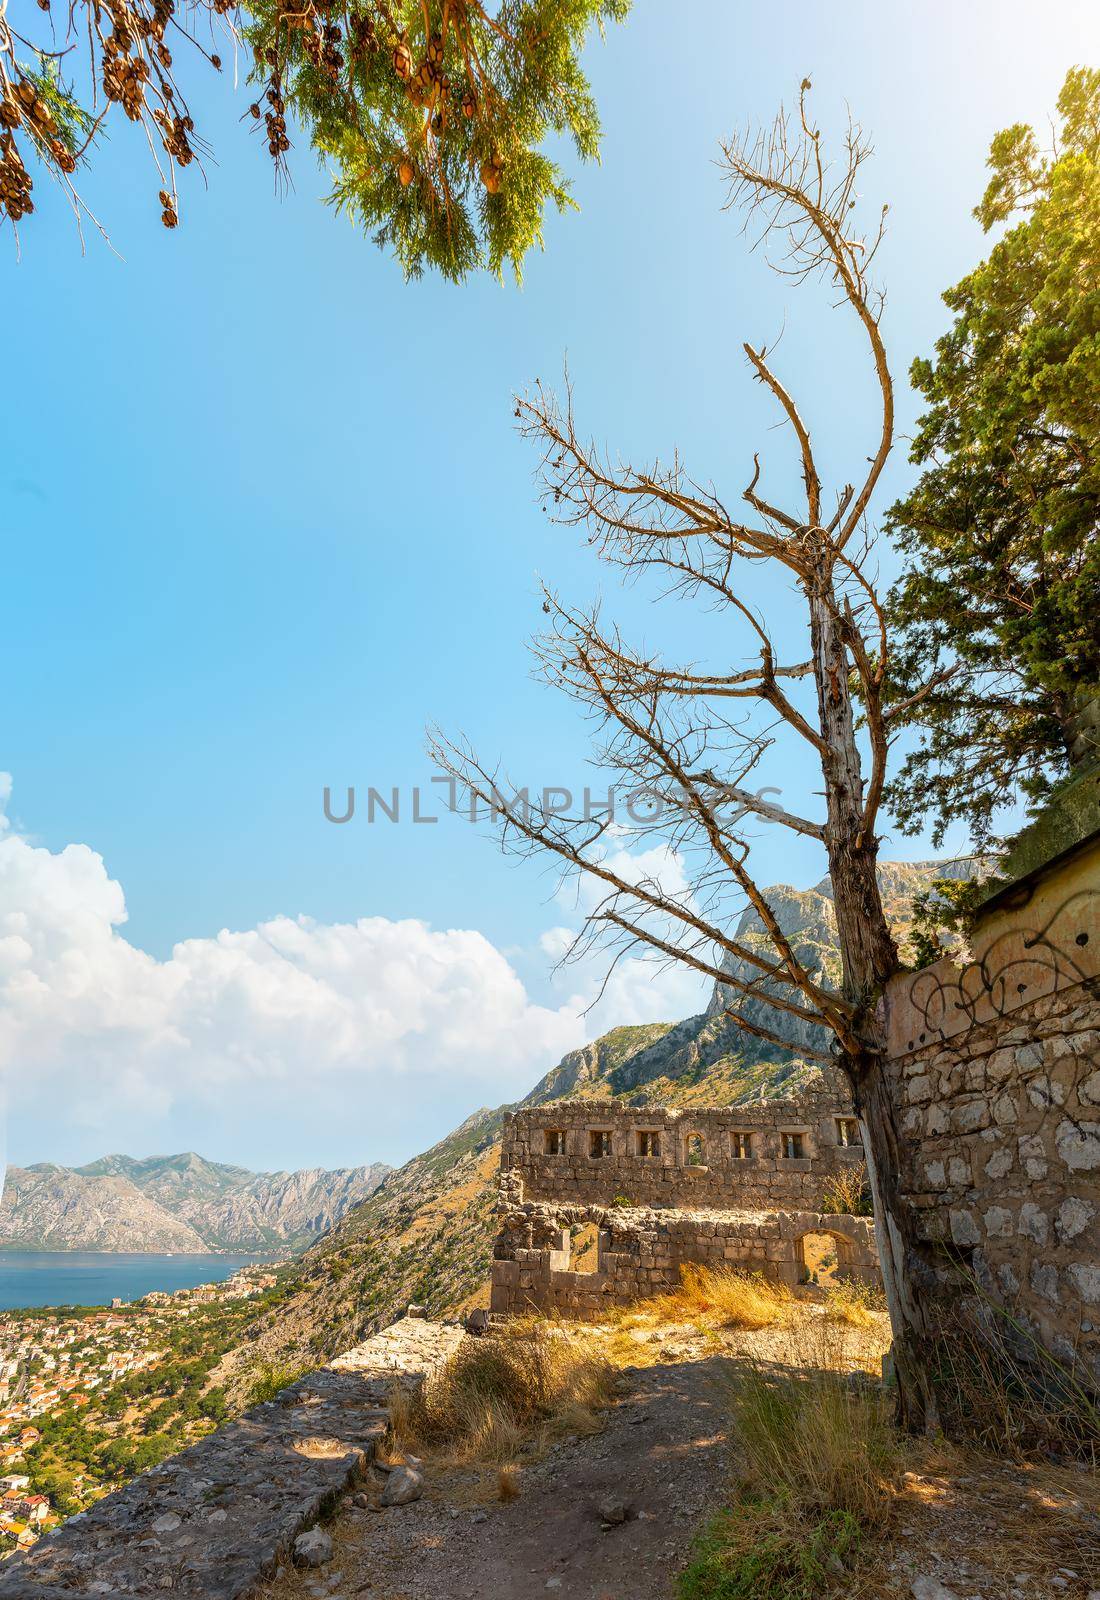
{"points": [[857, 1304], [994, 1518], [733, 1311], [712, 1299], [503, 1395], [813, 1435], [820, 1470], [999, 1386]]}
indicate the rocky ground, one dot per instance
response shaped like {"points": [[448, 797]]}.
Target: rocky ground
{"points": [[612, 1516], [606, 1517], [971, 1527]]}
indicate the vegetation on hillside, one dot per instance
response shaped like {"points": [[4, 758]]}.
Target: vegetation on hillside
{"points": [[130, 1423], [425, 1237]]}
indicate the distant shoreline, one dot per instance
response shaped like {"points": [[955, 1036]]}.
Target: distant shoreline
{"points": [[31, 1280], [7, 1251]]}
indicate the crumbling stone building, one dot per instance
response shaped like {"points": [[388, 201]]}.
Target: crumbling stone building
{"points": [[747, 1187], [995, 1065]]}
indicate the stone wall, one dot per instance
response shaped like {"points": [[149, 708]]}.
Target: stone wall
{"points": [[742, 1188], [996, 1069], [640, 1252], [215, 1521], [558, 1153]]}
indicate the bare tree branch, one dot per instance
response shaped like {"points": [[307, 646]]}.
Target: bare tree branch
{"points": [[782, 175], [694, 736], [809, 470]]}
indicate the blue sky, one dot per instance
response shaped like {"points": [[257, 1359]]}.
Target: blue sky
{"points": [[266, 515]]}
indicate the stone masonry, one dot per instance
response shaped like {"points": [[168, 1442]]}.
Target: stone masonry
{"points": [[215, 1521], [996, 1067], [737, 1188], [772, 1154]]}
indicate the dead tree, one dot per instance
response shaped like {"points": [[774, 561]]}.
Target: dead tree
{"points": [[693, 737]]}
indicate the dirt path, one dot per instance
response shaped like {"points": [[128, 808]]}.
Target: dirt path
{"points": [[661, 1456], [966, 1526]]}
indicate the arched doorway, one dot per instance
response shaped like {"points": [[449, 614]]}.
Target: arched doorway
{"points": [[822, 1258]]}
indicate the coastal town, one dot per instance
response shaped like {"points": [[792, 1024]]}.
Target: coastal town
{"points": [[78, 1383]]}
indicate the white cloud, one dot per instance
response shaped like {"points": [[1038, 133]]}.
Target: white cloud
{"points": [[660, 864], [394, 1027], [94, 1031], [639, 988]]}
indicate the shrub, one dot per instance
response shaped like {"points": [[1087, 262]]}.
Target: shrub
{"points": [[271, 1378], [847, 1193], [760, 1551], [497, 1392]]}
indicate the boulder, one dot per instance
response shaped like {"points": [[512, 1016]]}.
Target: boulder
{"points": [[402, 1487], [927, 1588], [313, 1548]]}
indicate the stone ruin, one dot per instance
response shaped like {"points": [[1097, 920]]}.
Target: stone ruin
{"points": [[994, 1060], [602, 1204]]}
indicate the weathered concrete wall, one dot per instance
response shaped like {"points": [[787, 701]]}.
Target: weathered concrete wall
{"points": [[216, 1520], [765, 1179], [996, 1067], [641, 1251]]}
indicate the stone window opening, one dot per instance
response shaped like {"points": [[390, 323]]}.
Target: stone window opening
{"points": [[599, 1143], [555, 1141], [649, 1142], [695, 1150], [848, 1134], [793, 1144], [741, 1145]]}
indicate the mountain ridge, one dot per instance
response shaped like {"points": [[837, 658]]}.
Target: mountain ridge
{"points": [[180, 1204]]}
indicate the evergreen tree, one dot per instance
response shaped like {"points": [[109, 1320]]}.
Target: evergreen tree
{"points": [[430, 114], [999, 605]]}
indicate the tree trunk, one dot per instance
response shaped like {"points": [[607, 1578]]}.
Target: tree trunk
{"points": [[869, 957], [895, 1233], [868, 953]]}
